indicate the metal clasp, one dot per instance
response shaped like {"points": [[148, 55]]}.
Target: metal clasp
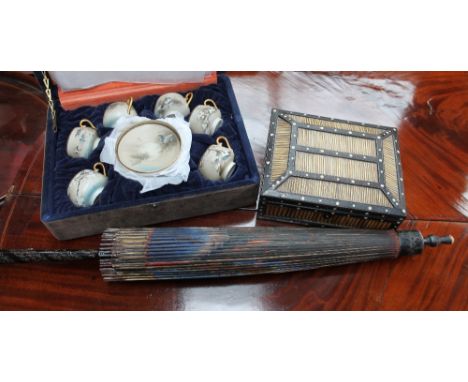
{"points": [[48, 92]]}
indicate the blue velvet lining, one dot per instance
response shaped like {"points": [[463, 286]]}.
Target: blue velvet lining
{"points": [[121, 192]]}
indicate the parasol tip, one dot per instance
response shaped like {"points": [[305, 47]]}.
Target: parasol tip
{"points": [[434, 241]]}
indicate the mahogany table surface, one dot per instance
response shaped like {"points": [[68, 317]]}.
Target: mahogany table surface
{"points": [[430, 111]]}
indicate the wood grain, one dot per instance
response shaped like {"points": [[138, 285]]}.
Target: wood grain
{"points": [[430, 111]]}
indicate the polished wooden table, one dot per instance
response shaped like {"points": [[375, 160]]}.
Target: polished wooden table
{"points": [[431, 113]]}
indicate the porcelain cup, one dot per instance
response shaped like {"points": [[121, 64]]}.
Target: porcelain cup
{"points": [[217, 163], [82, 140], [87, 185], [117, 110], [206, 118], [173, 104]]}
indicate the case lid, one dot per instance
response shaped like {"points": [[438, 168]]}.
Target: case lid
{"points": [[334, 163], [76, 89]]}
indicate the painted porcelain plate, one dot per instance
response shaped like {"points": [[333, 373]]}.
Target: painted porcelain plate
{"points": [[148, 148]]}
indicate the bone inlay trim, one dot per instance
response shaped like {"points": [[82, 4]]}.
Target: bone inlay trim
{"points": [[336, 142], [335, 191], [334, 166]]}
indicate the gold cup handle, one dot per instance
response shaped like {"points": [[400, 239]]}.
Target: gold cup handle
{"points": [[87, 123], [222, 139], [100, 165], [210, 102], [129, 103], [188, 97]]}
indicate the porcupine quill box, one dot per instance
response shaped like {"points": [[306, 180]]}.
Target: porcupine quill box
{"points": [[121, 204], [329, 172]]}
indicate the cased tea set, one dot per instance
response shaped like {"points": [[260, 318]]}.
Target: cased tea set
{"points": [[152, 152]]}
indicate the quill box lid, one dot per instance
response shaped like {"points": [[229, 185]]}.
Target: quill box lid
{"points": [[330, 172]]}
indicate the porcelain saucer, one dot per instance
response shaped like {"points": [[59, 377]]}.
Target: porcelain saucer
{"points": [[148, 148]]}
